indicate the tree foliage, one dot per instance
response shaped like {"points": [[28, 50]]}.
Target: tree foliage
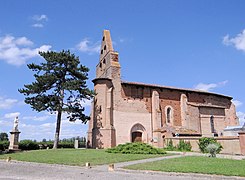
{"points": [[4, 136], [59, 86]]}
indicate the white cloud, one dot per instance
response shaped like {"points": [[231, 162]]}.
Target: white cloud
{"points": [[5, 124], [241, 116], [48, 125], [23, 41], [121, 40], [86, 103], [209, 87], [42, 17], [238, 41], [38, 25], [46, 130], [237, 103], [16, 51], [88, 47], [39, 20], [35, 118], [12, 115], [7, 103]]}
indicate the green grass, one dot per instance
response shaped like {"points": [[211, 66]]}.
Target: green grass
{"points": [[204, 165], [77, 157]]}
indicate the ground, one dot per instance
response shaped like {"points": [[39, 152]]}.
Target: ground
{"points": [[14, 170]]}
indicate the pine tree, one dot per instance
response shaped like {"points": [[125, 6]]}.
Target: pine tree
{"points": [[59, 86]]}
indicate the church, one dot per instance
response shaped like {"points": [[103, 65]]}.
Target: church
{"points": [[124, 111]]}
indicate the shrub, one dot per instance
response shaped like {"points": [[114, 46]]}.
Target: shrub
{"points": [[48, 144], [212, 148], [4, 145], [135, 148], [170, 146], [184, 146], [66, 145], [62, 144], [205, 141], [28, 145]]}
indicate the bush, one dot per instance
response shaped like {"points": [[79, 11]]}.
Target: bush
{"points": [[44, 145], [135, 148], [212, 149], [170, 146], [28, 145], [205, 141], [4, 145], [62, 144], [184, 146], [66, 145]]}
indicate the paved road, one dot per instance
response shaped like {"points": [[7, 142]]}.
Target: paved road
{"points": [[36, 171]]}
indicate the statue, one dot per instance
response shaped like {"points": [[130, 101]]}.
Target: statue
{"points": [[14, 138], [16, 122]]}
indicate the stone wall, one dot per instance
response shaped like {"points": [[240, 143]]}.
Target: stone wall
{"points": [[231, 145]]}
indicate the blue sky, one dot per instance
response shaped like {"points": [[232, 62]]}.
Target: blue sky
{"points": [[188, 44]]}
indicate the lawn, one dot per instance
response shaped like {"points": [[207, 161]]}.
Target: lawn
{"points": [[77, 157], [194, 164]]}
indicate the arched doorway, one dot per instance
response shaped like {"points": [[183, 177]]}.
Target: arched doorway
{"points": [[137, 133], [136, 136]]}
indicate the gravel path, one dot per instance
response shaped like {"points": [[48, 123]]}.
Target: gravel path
{"points": [[37, 171]]}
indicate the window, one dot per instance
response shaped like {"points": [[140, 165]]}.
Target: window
{"points": [[168, 115], [105, 47], [101, 51], [103, 38], [212, 124]]}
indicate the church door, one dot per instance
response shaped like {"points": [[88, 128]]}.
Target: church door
{"points": [[136, 137]]}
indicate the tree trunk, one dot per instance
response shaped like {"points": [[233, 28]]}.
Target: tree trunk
{"points": [[57, 131], [58, 122]]}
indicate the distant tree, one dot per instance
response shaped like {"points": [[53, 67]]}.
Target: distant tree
{"points": [[4, 136], [60, 86]]}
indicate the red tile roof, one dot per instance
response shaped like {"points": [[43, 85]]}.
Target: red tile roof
{"points": [[174, 88]]}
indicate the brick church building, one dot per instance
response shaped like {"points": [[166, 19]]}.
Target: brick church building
{"points": [[128, 111]]}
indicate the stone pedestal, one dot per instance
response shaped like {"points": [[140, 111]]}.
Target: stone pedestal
{"points": [[14, 141], [76, 144], [242, 141]]}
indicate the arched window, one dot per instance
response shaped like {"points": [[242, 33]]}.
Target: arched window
{"points": [[169, 115], [212, 124]]}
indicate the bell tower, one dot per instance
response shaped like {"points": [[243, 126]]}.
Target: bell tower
{"points": [[101, 132], [108, 66]]}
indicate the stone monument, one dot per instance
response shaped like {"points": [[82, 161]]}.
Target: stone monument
{"points": [[14, 138]]}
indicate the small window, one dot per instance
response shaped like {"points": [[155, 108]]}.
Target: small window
{"points": [[103, 38], [101, 51], [104, 61], [100, 65], [105, 47]]}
